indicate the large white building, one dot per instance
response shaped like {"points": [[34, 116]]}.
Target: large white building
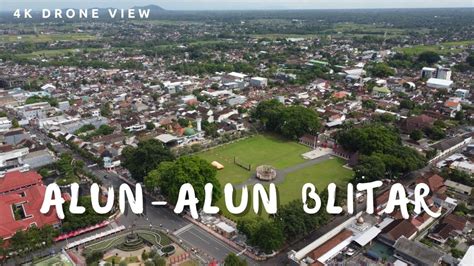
{"points": [[436, 83]]}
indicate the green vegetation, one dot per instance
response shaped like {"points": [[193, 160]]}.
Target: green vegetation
{"points": [[32, 239], [73, 222], [382, 152], [146, 157], [291, 122], [170, 176], [234, 260], [46, 38], [38, 99], [256, 150], [442, 48]]}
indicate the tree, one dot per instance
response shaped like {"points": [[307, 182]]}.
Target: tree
{"points": [[380, 70], [234, 260], [369, 104], [368, 138], [264, 234], [297, 121], [146, 157], [470, 60], [416, 135], [150, 125], [105, 110], [159, 261], [428, 57], [170, 176], [15, 123], [291, 122], [369, 168]]}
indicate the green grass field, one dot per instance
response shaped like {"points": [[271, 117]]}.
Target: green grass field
{"points": [[257, 150], [265, 149], [47, 37], [443, 48]]}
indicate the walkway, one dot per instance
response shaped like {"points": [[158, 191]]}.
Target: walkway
{"points": [[281, 174]]}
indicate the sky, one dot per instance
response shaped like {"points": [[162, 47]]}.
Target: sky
{"points": [[235, 4]]}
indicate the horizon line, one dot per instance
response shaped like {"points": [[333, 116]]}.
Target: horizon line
{"points": [[262, 9]]}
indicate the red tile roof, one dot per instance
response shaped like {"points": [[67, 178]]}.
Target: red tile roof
{"points": [[27, 190], [456, 221], [434, 182], [17, 180]]}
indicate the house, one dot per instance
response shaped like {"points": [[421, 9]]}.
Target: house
{"points": [[258, 82], [5, 124], [419, 122], [381, 92], [458, 187], [415, 253], [450, 146], [452, 106], [20, 194], [463, 94], [434, 182], [451, 225], [397, 229]]}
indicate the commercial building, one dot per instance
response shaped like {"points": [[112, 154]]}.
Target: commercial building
{"points": [[20, 203]]}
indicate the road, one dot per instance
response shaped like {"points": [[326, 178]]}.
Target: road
{"points": [[209, 247]]}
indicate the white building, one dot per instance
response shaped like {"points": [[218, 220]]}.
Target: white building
{"points": [[12, 160], [428, 72], [258, 82], [462, 93], [439, 83], [5, 124], [444, 73]]}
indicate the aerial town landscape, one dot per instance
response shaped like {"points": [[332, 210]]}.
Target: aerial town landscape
{"points": [[284, 97]]}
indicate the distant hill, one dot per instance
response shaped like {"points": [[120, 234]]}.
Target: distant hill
{"points": [[151, 7]]}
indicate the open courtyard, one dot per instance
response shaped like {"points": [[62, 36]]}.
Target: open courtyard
{"points": [[285, 156]]}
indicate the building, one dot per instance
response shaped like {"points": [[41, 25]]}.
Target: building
{"points": [[428, 72], [444, 73], [415, 253], [12, 159], [419, 122], [397, 229], [468, 257], [458, 187], [450, 146], [435, 83], [258, 82], [381, 92], [5, 124], [463, 94], [20, 203]]}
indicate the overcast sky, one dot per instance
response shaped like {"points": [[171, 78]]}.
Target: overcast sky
{"points": [[235, 4]]}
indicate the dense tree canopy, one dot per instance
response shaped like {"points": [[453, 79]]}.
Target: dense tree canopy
{"points": [[383, 153], [428, 57], [291, 122], [369, 138], [146, 157], [380, 70], [169, 176], [264, 234]]}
